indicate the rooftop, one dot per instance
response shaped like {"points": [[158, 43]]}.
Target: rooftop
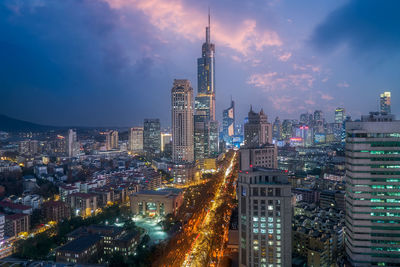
{"points": [[81, 243]]}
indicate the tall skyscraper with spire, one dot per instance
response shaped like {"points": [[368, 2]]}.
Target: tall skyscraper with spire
{"points": [[206, 76], [206, 126]]}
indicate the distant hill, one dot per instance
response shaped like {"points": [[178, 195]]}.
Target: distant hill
{"points": [[8, 124]]}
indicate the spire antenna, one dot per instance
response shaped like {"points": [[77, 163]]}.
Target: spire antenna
{"points": [[209, 17], [208, 27]]}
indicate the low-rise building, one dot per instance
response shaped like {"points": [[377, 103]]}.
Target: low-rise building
{"points": [[82, 204], [2, 225], [156, 202], [84, 249], [16, 224], [66, 190], [55, 211], [183, 172], [318, 234], [10, 207]]}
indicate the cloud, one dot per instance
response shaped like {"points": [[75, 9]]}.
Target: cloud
{"points": [[343, 84], [326, 96], [294, 90], [272, 81], [363, 26], [179, 18], [285, 57], [75, 59]]}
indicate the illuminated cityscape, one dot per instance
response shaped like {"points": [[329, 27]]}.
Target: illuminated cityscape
{"points": [[115, 150]]}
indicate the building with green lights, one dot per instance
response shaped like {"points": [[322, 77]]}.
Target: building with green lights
{"points": [[372, 191]]}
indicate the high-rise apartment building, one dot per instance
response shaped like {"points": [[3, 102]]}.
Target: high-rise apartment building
{"points": [[265, 220], [72, 144], [112, 140], [182, 121], [228, 123], [136, 139], [152, 137], [372, 190], [257, 130], [385, 102]]}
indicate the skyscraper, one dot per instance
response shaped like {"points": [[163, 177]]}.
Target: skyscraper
{"points": [[257, 131], [340, 115], [265, 220], [385, 102], [206, 76], [182, 121], [152, 137], [166, 138], [228, 123], [136, 139], [205, 124], [277, 129], [287, 130], [318, 121], [372, 190], [72, 144], [201, 129]]}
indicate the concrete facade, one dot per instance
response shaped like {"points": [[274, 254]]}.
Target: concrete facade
{"points": [[265, 218]]}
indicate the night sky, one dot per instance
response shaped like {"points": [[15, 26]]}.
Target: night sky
{"points": [[112, 62]]}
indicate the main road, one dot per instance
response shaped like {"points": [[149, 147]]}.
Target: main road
{"points": [[207, 248], [205, 217]]}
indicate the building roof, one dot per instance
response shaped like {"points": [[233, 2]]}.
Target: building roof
{"points": [[161, 192], [16, 216], [81, 243], [82, 195], [53, 203], [14, 206]]}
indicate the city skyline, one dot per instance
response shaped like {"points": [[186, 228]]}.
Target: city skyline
{"points": [[303, 58]]}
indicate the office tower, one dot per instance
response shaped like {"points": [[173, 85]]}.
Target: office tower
{"points": [[287, 129], [206, 126], [228, 123], [264, 156], [182, 121], [385, 102], [112, 140], [213, 141], [200, 136], [152, 137], [277, 129], [318, 121], [340, 115], [166, 138], [206, 76], [257, 131], [306, 118], [265, 220], [372, 190], [136, 139], [72, 144]]}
